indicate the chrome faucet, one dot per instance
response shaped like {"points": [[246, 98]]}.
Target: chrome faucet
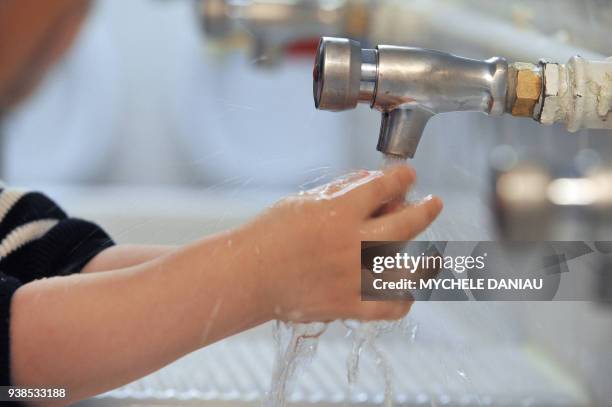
{"points": [[408, 85], [270, 25]]}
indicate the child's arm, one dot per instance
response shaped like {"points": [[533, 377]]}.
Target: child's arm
{"points": [[298, 261], [91, 333], [125, 255]]}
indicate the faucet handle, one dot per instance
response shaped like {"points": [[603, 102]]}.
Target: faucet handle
{"points": [[336, 74]]}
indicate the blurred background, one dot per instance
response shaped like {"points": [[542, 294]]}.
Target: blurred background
{"points": [[170, 119]]}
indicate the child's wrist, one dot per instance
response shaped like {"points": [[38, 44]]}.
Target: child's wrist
{"points": [[251, 261]]}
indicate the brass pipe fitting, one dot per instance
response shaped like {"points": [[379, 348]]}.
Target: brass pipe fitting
{"points": [[524, 89]]}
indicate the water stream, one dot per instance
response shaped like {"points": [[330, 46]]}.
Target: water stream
{"points": [[364, 337], [297, 345], [391, 160]]}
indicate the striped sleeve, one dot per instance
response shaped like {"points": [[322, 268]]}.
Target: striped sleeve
{"points": [[37, 240]]}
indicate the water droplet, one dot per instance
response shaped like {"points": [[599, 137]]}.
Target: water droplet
{"points": [[413, 332]]}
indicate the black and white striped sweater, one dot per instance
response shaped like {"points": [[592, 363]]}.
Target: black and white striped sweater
{"points": [[38, 240]]}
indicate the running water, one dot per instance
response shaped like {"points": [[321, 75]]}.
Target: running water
{"points": [[364, 337], [390, 160], [296, 345], [365, 333]]}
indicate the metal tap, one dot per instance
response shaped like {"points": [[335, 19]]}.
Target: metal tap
{"points": [[408, 85], [271, 24]]}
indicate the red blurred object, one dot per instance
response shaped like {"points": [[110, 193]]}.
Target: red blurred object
{"points": [[303, 48]]}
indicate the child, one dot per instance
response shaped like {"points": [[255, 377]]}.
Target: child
{"points": [[81, 313]]}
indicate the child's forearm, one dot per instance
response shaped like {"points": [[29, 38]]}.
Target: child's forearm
{"points": [[93, 332], [126, 255]]}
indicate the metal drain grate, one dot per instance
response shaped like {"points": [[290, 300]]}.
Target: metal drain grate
{"points": [[468, 354], [239, 369]]}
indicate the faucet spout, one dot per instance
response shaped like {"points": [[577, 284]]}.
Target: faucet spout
{"points": [[401, 130]]}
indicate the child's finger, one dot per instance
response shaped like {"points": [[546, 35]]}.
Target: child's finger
{"points": [[392, 184], [396, 204], [405, 224]]}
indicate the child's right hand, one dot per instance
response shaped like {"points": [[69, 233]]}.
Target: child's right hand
{"points": [[308, 246]]}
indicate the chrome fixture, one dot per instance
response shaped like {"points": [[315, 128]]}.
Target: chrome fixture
{"points": [[269, 25], [408, 85]]}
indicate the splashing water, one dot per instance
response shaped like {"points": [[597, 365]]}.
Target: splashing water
{"points": [[365, 333], [410, 328], [296, 345], [364, 336]]}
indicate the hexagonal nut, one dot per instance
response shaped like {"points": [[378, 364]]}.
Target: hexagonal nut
{"points": [[524, 88]]}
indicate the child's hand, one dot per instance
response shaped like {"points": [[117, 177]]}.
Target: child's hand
{"points": [[308, 246]]}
